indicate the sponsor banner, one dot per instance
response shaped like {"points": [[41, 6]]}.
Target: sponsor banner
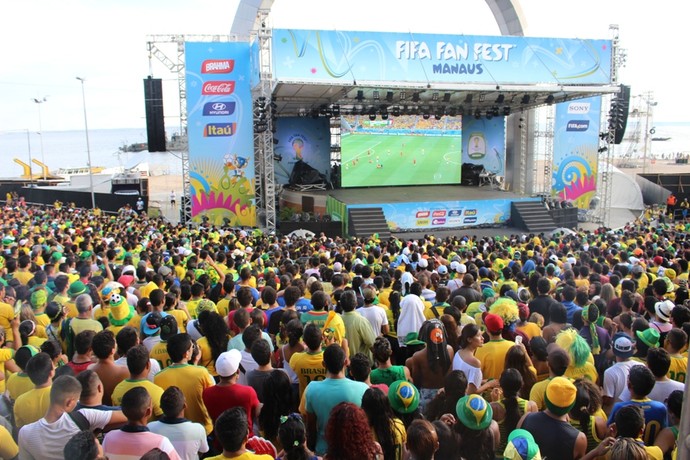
{"points": [[328, 56], [416, 215], [484, 142], [221, 142], [575, 150], [219, 109]]}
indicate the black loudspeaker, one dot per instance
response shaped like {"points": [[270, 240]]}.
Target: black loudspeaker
{"points": [[155, 125], [618, 116]]}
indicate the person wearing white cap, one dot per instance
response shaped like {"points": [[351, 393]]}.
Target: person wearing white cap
{"points": [[458, 270], [227, 393], [616, 376], [662, 316]]}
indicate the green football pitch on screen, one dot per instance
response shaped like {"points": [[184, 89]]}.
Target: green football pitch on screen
{"points": [[377, 160]]}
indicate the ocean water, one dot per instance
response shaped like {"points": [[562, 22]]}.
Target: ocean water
{"points": [[64, 149]]}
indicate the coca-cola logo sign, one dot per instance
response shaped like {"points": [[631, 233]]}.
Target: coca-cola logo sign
{"points": [[211, 88]]}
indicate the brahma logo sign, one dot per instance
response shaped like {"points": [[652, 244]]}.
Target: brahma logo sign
{"points": [[422, 214], [220, 129], [577, 125], [213, 88], [217, 66], [219, 108], [578, 108]]}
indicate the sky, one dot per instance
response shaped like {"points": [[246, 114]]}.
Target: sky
{"points": [[47, 44]]}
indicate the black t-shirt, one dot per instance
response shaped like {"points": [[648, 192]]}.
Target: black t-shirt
{"points": [[541, 304]]}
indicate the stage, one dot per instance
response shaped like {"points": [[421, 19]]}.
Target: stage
{"points": [[412, 208]]}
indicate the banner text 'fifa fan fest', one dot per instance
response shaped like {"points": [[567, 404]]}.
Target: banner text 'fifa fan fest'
{"points": [[221, 144], [314, 55]]}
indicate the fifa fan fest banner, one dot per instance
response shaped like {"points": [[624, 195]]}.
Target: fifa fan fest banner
{"points": [[484, 143], [221, 142], [306, 140], [575, 150], [335, 56], [445, 214]]}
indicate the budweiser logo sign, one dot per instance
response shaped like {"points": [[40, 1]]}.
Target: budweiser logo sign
{"points": [[218, 87], [217, 66]]}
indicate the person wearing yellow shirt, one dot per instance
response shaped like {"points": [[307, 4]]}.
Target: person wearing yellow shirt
{"points": [[493, 354], [674, 343], [189, 378], [232, 430], [7, 355], [19, 383], [76, 289], [308, 365], [223, 304], [8, 448], [33, 404], [139, 365], [558, 361], [23, 275], [7, 314]]}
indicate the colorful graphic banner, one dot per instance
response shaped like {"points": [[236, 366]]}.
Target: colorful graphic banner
{"points": [[332, 56], [445, 214], [302, 139], [221, 143], [575, 150], [484, 143]]}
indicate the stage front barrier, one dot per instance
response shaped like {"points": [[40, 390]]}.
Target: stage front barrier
{"points": [[440, 215]]}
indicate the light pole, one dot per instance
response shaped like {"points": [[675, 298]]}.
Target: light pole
{"points": [[88, 149], [649, 99], [40, 129], [28, 143]]}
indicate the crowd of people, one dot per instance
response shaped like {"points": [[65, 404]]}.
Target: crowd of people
{"points": [[128, 337]]}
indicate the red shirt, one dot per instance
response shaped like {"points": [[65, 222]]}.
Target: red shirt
{"points": [[218, 399]]}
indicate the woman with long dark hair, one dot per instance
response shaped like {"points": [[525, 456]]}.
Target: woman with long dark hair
{"points": [[293, 330], [429, 367], [517, 358], [582, 414], [508, 407], [277, 403], [388, 430], [215, 340], [293, 437], [471, 338], [349, 436], [445, 401]]}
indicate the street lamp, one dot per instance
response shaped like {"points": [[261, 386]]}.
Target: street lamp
{"points": [[40, 128], [649, 99], [88, 149]]}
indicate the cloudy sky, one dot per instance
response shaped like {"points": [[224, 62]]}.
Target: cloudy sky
{"points": [[47, 44]]}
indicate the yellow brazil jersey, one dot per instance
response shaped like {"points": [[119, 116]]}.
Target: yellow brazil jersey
{"points": [[192, 380], [181, 318], [71, 309], [192, 305], [207, 360], [384, 297], [159, 352], [42, 320], [146, 290], [154, 391], [18, 384], [492, 356], [537, 393], [223, 306], [6, 316], [23, 276], [31, 406], [135, 322], [5, 355], [309, 367], [678, 369], [8, 448]]}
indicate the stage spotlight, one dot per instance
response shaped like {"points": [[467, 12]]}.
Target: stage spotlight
{"points": [[426, 115], [396, 111], [500, 99], [525, 99], [468, 99], [482, 97], [384, 116], [434, 96], [477, 114], [495, 112], [446, 97], [438, 115], [335, 110], [452, 112], [376, 95], [489, 115], [389, 96], [506, 111], [372, 114], [403, 95], [275, 141], [415, 97], [360, 95], [602, 149], [549, 99], [278, 158]]}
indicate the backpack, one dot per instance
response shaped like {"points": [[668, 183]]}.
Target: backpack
{"points": [[67, 336]]}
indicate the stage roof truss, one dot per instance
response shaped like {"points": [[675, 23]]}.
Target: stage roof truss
{"points": [[308, 98]]}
